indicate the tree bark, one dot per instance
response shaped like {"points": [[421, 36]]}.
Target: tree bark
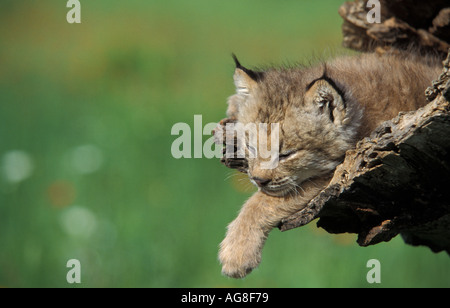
{"points": [[397, 180], [403, 23], [394, 182]]}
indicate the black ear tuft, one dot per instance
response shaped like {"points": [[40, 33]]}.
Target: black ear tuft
{"points": [[256, 76], [236, 61]]}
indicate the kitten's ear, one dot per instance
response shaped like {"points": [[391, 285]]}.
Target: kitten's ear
{"points": [[245, 80], [323, 94]]}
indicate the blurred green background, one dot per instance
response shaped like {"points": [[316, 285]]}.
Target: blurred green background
{"points": [[86, 112]]}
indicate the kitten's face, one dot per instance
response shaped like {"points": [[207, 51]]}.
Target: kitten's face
{"points": [[314, 125]]}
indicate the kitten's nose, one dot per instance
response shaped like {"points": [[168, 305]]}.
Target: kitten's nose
{"points": [[260, 181]]}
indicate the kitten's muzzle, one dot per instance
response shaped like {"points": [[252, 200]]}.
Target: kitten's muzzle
{"points": [[261, 182]]}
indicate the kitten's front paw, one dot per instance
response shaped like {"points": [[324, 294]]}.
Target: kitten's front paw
{"points": [[238, 260]]}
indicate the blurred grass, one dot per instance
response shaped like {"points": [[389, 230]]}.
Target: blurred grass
{"points": [[91, 107]]}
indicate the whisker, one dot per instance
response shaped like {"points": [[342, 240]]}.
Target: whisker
{"points": [[230, 175], [315, 185], [247, 187], [299, 186]]}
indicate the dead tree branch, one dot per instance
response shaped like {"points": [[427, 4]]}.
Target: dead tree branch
{"points": [[424, 24], [395, 182]]}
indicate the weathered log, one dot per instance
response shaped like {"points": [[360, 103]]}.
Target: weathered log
{"points": [[441, 25], [394, 182], [403, 23], [397, 180]]}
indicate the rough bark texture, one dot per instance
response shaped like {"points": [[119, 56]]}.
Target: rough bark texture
{"points": [[424, 24], [395, 182]]}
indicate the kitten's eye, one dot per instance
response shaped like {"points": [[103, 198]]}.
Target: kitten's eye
{"points": [[287, 154]]}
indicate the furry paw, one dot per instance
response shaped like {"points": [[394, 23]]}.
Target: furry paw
{"points": [[238, 260]]}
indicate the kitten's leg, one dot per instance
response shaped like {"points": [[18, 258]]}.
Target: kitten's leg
{"points": [[240, 251]]}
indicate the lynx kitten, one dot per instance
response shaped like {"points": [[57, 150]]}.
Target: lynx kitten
{"points": [[322, 112]]}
